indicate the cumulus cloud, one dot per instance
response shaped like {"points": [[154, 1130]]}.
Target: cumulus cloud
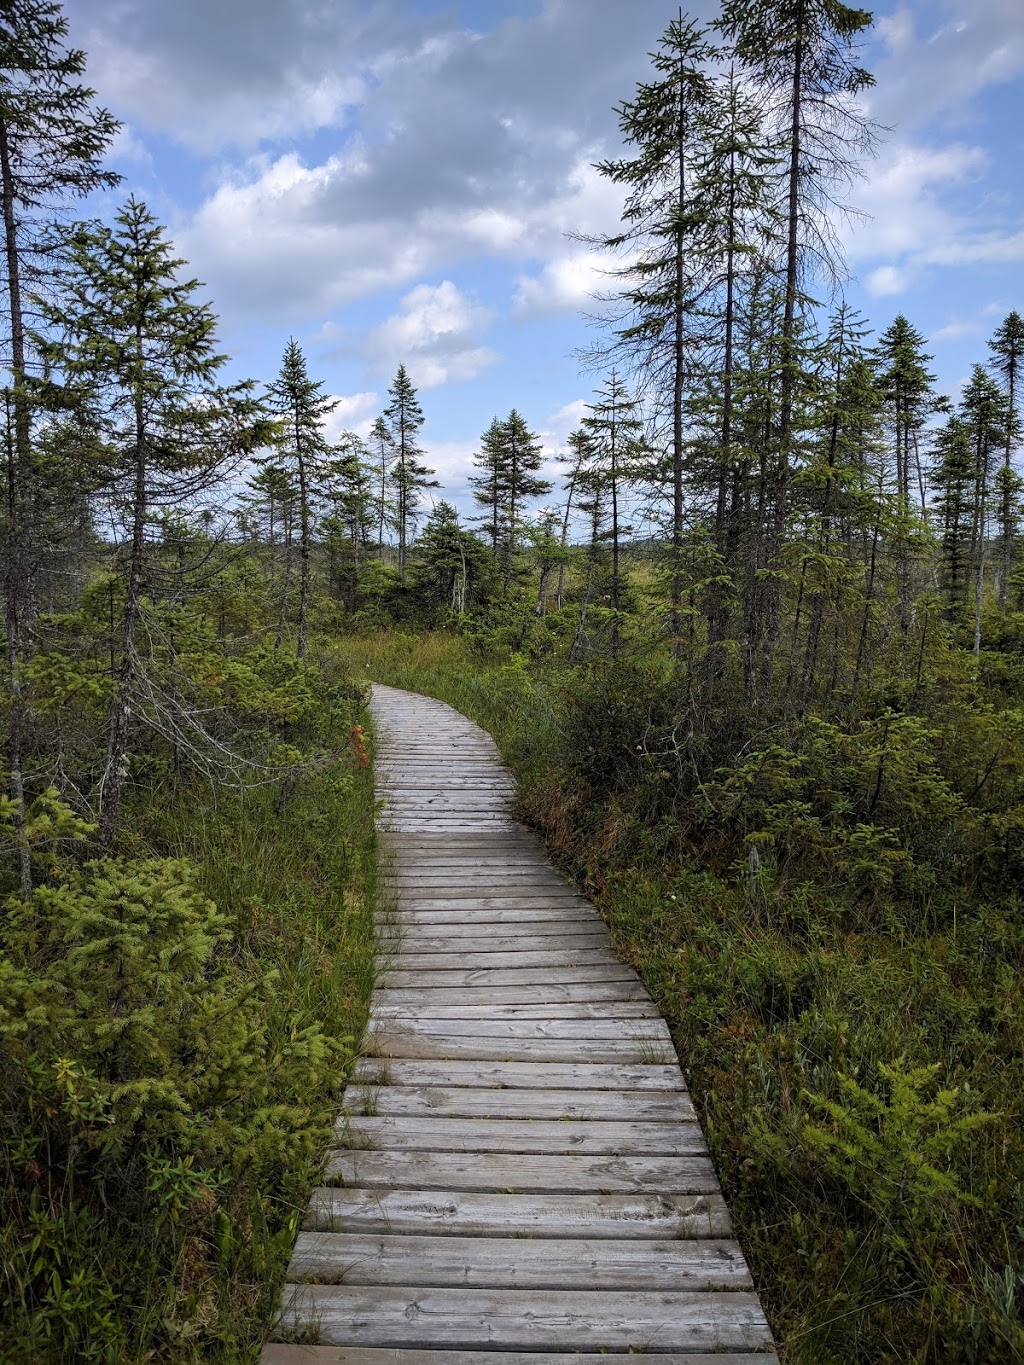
{"points": [[354, 412], [566, 284], [432, 334]]}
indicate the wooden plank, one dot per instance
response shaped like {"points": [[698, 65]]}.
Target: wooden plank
{"points": [[529, 1173], [493, 935], [519, 1319], [620, 1030], [648, 1106], [521, 959], [521, 1075], [437, 1045], [560, 992], [580, 1009], [513, 1135], [279, 1353], [449, 977], [536, 913], [517, 1263], [438, 1213]]}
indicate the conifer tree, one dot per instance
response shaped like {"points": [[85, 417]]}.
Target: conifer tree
{"points": [[1007, 347], [802, 56], [452, 564], [659, 330], [137, 353], [954, 479], [489, 486], [383, 451], [984, 413], [613, 426], [521, 456], [408, 476], [52, 140], [348, 494], [301, 408]]}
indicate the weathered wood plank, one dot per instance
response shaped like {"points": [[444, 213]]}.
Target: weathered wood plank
{"points": [[514, 1135], [522, 1075], [424, 1046], [648, 1106], [523, 1319], [517, 1263], [529, 1173], [493, 937], [621, 1030], [475, 1214], [488, 977], [520, 958], [278, 1353], [580, 1009], [559, 992]]}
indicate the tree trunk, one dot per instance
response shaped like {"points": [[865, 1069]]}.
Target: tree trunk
{"points": [[121, 708], [18, 604]]}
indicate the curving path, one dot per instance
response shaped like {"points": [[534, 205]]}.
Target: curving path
{"points": [[518, 1174]]}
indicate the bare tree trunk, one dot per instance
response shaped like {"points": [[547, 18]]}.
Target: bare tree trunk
{"points": [[18, 584], [303, 542]]}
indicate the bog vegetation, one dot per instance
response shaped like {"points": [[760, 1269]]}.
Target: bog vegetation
{"points": [[757, 660]]}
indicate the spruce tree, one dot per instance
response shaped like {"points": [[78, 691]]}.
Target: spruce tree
{"points": [[408, 475], [521, 459], [984, 412], [664, 235], [614, 428], [801, 55], [490, 485], [954, 479], [301, 408], [383, 452], [137, 354], [52, 140], [1007, 347]]}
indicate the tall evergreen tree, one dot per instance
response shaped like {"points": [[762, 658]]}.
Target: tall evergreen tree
{"points": [[614, 427], [802, 56], [301, 408], [663, 237], [137, 352], [1007, 347], [489, 486], [408, 475], [521, 459], [52, 140], [984, 413], [383, 453]]}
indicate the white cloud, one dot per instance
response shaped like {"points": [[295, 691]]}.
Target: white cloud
{"points": [[887, 280], [565, 285], [355, 412], [432, 335]]}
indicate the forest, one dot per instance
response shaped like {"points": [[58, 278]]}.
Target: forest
{"points": [[756, 658]]}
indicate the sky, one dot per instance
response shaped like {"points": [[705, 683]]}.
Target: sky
{"points": [[404, 181]]}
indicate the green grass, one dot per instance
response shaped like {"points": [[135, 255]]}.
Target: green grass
{"points": [[858, 1062]]}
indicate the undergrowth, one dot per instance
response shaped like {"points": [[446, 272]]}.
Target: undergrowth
{"points": [[176, 1024]]}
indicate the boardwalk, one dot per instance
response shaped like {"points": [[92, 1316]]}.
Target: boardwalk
{"points": [[518, 1175]]}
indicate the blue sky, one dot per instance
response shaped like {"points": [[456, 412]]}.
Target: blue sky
{"points": [[391, 181]]}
